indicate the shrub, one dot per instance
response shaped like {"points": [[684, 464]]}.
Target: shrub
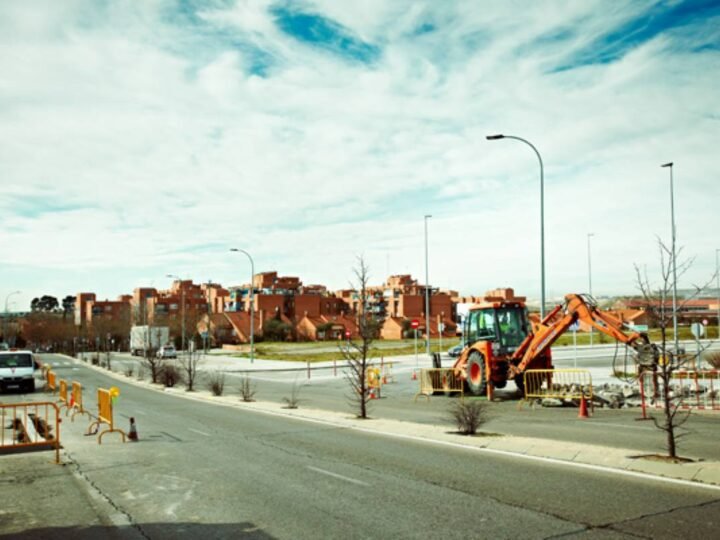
{"points": [[216, 384], [129, 370], [468, 415], [294, 399], [247, 389], [713, 358], [170, 376]]}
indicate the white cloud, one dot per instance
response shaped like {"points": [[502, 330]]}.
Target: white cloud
{"points": [[162, 141]]}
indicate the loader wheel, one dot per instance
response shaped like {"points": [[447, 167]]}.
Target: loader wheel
{"points": [[476, 380], [520, 383]]}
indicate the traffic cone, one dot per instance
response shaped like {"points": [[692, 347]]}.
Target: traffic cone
{"points": [[583, 408], [132, 434], [414, 376]]}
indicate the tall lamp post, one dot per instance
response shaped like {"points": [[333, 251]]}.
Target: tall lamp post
{"points": [[427, 287], [717, 286], [674, 261], [252, 303], [182, 310], [590, 235], [542, 215], [5, 339]]}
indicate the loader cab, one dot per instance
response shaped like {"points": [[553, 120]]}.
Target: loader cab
{"points": [[505, 324]]}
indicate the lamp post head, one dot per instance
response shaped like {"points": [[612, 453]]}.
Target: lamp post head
{"points": [[233, 249], [428, 216], [667, 164], [495, 137]]}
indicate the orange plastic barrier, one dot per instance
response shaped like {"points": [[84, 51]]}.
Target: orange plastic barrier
{"points": [[76, 401], [62, 393], [105, 416], [29, 425], [51, 381]]}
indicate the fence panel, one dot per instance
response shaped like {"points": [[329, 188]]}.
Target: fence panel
{"points": [[439, 380], [26, 425], [698, 389], [558, 384]]}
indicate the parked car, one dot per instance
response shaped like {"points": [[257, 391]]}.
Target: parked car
{"points": [[455, 351], [167, 351]]}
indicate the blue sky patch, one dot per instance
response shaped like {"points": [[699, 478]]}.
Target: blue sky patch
{"points": [[659, 19], [33, 206], [326, 34]]}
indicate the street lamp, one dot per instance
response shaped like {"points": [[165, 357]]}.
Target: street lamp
{"points": [[590, 235], [6, 314], [542, 215], [674, 262], [252, 303], [717, 286], [427, 287], [182, 309]]}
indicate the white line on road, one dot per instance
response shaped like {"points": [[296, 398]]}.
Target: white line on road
{"points": [[338, 476], [198, 431], [621, 426]]}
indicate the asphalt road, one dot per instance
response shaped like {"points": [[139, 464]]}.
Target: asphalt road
{"points": [[620, 428], [206, 470]]}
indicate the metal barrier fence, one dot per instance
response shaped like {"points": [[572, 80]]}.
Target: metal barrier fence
{"points": [[690, 389], [437, 380], [558, 384], [76, 401], [105, 416], [29, 425]]}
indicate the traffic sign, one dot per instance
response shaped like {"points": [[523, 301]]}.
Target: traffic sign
{"points": [[705, 322], [574, 327], [347, 333], [697, 329], [415, 323]]}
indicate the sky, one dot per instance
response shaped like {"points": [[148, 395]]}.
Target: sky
{"points": [[145, 139]]}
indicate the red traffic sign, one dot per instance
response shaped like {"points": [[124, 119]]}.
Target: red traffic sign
{"points": [[705, 322], [415, 323], [347, 333]]}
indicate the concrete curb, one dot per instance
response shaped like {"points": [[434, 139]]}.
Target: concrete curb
{"points": [[700, 473]]}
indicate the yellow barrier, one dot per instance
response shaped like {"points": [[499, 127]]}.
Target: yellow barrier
{"points": [[51, 381], [62, 393], [30, 425], [558, 384], [439, 380], [76, 401], [105, 416]]}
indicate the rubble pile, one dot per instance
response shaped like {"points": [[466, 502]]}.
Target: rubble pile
{"points": [[626, 396]]}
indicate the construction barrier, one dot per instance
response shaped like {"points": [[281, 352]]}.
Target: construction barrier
{"points": [[698, 390], [62, 393], [558, 384], [51, 381], [387, 372], [105, 415], [76, 401], [439, 380], [29, 425]]}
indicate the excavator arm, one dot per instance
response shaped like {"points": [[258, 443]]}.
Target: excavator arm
{"points": [[577, 308]]}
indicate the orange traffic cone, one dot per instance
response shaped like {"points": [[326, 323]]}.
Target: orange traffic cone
{"points": [[414, 376], [132, 434], [583, 408]]}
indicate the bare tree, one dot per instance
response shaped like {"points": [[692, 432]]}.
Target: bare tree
{"points": [[151, 360], [189, 362], [357, 352], [668, 361]]}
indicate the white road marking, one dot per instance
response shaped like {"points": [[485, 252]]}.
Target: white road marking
{"points": [[338, 476], [198, 431]]}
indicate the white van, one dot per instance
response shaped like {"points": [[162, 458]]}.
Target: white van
{"points": [[17, 369]]}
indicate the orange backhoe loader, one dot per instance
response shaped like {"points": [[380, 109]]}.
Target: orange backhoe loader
{"points": [[500, 344]]}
